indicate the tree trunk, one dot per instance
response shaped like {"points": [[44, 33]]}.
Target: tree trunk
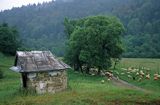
{"points": [[81, 68], [99, 71], [87, 70], [76, 67]]}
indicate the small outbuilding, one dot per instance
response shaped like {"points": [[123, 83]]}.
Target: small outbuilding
{"points": [[41, 71]]}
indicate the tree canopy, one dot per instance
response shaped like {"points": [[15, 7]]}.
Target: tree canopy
{"points": [[93, 41], [9, 41]]}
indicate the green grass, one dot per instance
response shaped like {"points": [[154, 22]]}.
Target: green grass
{"points": [[152, 64], [82, 90]]}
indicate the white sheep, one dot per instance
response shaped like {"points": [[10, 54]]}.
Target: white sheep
{"points": [[129, 76], [134, 70], [128, 72], [102, 74], [122, 73], [142, 73], [156, 76], [137, 73], [102, 81], [140, 79], [148, 76], [93, 74], [130, 69], [110, 75], [124, 69], [117, 78]]}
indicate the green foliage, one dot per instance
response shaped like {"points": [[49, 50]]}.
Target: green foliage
{"points": [[42, 23], [141, 47], [8, 39], [94, 41]]}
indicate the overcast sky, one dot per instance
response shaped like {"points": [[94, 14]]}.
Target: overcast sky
{"points": [[8, 4]]}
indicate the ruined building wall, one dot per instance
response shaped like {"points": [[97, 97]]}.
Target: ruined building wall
{"points": [[50, 82]]}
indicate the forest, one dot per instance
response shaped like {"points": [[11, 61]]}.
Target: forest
{"points": [[41, 26]]}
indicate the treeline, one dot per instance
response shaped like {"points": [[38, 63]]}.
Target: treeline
{"points": [[41, 26]]}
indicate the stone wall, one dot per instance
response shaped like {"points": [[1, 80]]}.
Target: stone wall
{"points": [[50, 82]]}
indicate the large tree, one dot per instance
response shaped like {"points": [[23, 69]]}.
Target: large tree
{"points": [[9, 42], [93, 41]]}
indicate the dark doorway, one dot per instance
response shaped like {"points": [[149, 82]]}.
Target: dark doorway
{"points": [[24, 79]]}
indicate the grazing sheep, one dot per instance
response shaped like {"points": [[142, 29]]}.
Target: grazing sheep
{"points": [[147, 69], [137, 73], [137, 70], [93, 74], [102, 81], [102, 74], [108, 79], [124, 69], [129, 76], [117, 77], [110, 75], [122, 73], [140, 79], [156, 76], [142, 73], [134, 70], [130, 69], [128, 72], [148, 76]]}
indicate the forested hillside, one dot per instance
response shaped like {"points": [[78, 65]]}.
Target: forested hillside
{"points": [[41, 26]]}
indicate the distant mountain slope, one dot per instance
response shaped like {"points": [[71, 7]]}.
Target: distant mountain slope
{"points": [[41, 26]]}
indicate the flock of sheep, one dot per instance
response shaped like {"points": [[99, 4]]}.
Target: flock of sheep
{"points": [[131, 73], [134, 73]]}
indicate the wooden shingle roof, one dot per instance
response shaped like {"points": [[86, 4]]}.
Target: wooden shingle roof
{"points": [[37, 61]]}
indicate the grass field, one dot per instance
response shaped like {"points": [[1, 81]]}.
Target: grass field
{"points": [[82, 90], [150, 66]]}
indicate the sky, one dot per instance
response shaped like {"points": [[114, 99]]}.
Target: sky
{"points": [[8, 4]]}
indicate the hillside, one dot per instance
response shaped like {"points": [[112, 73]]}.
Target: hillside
{"points": [[43, 23]]}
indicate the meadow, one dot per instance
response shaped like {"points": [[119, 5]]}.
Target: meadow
{"points": [[82, 90], [148, 66]]}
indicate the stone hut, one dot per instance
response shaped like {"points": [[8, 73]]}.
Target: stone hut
{"points": [[41, 71]]}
